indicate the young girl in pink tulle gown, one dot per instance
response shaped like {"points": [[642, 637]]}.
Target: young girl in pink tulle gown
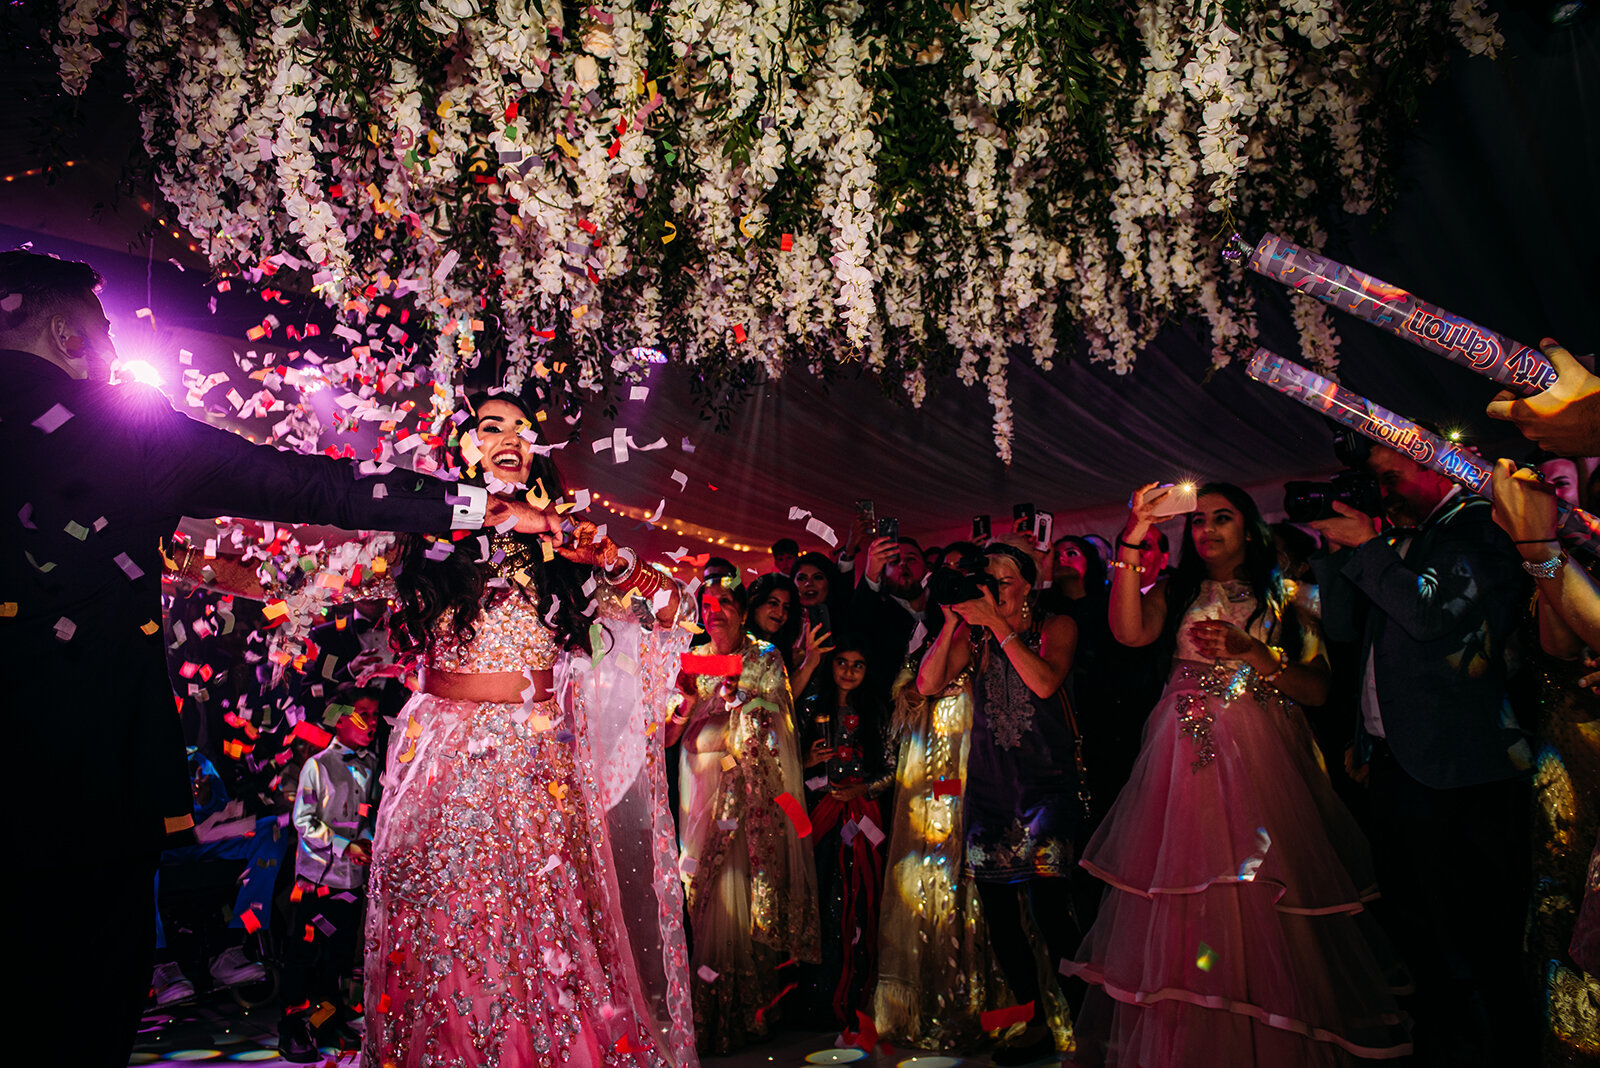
{"points": [[524, 907], [1233, 929]]}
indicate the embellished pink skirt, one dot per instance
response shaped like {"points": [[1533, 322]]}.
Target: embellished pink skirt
{"points": [[494, 932], [1233, 929]]}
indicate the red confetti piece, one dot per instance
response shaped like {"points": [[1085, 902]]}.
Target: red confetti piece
{"points": [[611, 153], [867, 1035], [738, 333], [802, 824], [248, 918], [586, 226], [728, 666], [786, 242], [998, 1018], [384, 1002], [511, 111], [310, 935]]}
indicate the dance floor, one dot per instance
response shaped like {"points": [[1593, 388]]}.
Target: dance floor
{"points": [[216, 1030]]}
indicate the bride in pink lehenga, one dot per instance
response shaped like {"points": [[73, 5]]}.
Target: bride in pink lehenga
{"points": [[1233, 929], [524, 904]]}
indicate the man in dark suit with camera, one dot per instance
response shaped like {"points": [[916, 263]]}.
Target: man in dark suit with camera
{"points": [[1439, 748]]}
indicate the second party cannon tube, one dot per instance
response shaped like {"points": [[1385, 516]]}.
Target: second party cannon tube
{"points": [[1579, 529], [1515, 366]]}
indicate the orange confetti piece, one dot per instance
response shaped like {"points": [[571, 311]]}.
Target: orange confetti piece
{"points": [[9, 608]]}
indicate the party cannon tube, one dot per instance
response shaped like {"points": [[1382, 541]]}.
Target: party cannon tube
{"points": [[1578, 529], [1515, 366]]}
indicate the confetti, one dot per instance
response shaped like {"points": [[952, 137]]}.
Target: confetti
{"points": [[730, 665], [786, 242], [999, 1018], [796, 813], [639, 393], [871, 830], [682, 480], [8, 609], [706, 973], [822, 530], [1205, 958], [51, 421], [65, 629]]}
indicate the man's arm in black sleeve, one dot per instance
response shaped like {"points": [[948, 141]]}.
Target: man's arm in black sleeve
{"points": [[205, 471]]}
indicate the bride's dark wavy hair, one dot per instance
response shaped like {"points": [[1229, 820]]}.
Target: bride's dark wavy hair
{"points": [[1260, 571], [427, 589]]}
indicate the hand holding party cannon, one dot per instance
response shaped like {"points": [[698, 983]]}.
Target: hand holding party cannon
{"points": [[1578, 529], [1562, 412]]}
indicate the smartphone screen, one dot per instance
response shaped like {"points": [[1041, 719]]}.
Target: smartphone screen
{"points": [[865, 509], [1022, 518], [889, 527]]}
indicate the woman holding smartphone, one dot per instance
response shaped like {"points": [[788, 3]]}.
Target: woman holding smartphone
{"points": [[1233, 927]]}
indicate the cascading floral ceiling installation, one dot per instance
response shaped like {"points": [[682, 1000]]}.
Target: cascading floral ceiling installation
{"points": [[752, 185]]}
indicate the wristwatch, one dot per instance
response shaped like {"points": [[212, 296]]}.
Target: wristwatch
{"points": [[1546, 569]]}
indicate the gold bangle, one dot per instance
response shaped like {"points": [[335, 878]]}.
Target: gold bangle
{"points": [[1283, 664]]}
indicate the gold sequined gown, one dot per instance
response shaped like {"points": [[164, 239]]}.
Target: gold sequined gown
{"points": [[749, 876], [496, 932]]}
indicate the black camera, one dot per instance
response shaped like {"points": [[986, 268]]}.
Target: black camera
{"points": [[964, 582], [1305, 502], [950, 586]]}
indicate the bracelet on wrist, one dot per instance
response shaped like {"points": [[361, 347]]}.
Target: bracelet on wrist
{"points": [[1546, 569], [1129, 545], [1283, 665], [1538, 541], [1123, 565], [1008, 638]]}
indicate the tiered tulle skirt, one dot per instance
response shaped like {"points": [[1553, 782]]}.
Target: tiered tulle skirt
{"points": [[1233, 929]]}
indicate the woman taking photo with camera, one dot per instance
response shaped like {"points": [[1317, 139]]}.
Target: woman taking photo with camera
{"points": [[1022, 806], [1232, 930]]}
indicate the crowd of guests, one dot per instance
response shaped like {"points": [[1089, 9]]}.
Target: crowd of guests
{"points": [[1229, 794]]}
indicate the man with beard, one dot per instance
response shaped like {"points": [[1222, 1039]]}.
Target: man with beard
{"points": [[1439, 749], [889, 606]]}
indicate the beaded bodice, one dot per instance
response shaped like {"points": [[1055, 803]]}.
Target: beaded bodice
{"points": [[508, 636], [1231, 601]]}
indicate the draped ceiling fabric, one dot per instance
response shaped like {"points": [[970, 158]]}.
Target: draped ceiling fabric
{"points": [[1498, 220]]}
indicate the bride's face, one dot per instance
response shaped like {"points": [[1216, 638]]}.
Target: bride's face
{"points": [[506, 455]]}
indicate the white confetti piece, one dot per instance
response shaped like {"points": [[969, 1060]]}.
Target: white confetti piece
{"points": [[706, 973], [871, 830], [446, 265], [51, 421], [796, 513], [639, 393], [681, 479], [822, 530], [65, 629], [129, 568]]}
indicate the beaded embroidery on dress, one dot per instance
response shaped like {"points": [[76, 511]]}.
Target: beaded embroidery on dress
{"points": [[495, 932]]}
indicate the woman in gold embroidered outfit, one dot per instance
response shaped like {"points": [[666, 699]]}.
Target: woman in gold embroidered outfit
{"points": [[498, 932], [748, 873]]}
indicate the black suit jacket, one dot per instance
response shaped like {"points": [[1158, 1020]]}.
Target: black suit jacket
{"points": [[88, 711], [1437, 622]]}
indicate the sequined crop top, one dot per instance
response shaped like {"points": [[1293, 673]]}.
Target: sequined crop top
{"points": [[1231, 601], [508, 636]]}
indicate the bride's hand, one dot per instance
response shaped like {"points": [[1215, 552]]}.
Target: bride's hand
{"points": [[584, 548]]}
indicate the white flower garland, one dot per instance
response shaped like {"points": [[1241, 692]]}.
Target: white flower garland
{"points": [[705, 174]]}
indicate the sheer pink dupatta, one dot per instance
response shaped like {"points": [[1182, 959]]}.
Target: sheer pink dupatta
{"points": [[622, 696]]}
